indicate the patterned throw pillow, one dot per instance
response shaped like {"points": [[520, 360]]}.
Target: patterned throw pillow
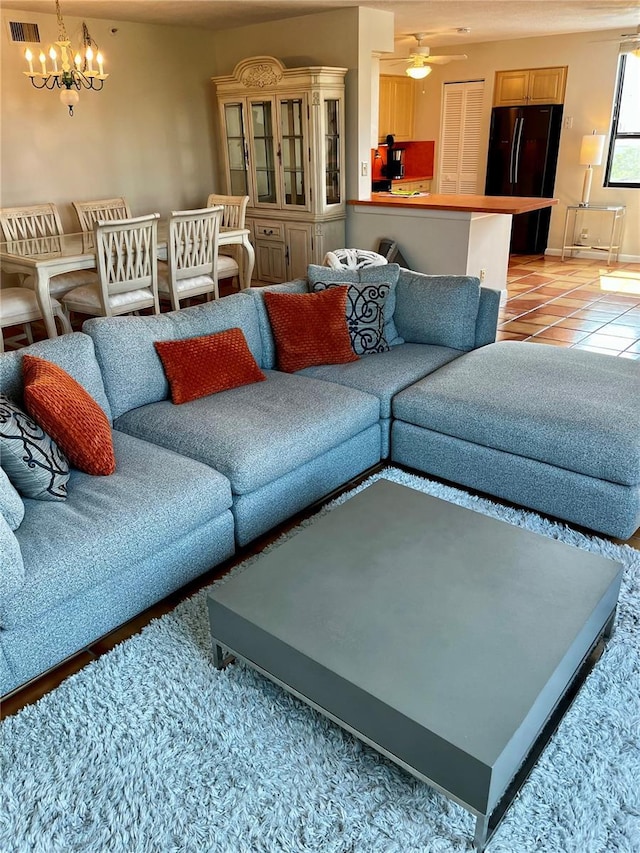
{"points": [[71, 415], [385, 277], [365, 317], [198, 367], [31, 459], [310, 328]]}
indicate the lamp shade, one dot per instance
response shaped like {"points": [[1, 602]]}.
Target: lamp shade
{"points": [[418, 71], [592, 149]]}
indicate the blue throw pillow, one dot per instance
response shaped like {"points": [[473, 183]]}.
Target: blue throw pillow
{"points": [[372, 292], [31, 459], [11, 506]]}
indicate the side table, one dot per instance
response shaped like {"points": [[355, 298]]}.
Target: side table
{"points": [[617, 214]]}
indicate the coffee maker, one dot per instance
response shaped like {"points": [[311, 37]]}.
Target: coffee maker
{"points": [[395, 160]]}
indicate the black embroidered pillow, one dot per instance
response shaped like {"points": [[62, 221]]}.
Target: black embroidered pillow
{"points": [[31, 459], [370, 289], [365, 314]]}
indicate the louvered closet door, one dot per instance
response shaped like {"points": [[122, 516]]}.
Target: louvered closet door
{"points": [[460, 137]]}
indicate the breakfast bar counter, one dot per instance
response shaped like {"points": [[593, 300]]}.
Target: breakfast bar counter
{"points": [[443, 234]]}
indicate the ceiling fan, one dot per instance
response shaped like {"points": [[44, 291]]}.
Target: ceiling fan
{"points": [[420, 59]]}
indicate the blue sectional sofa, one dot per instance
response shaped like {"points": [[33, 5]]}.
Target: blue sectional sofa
{"points": [[550, 429], [195, 481]]}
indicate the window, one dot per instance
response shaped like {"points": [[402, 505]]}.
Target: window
{"points": [[623, 162]]}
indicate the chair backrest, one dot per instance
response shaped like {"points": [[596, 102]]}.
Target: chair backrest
{"points": [[104, 210], [193, 242], [33, 220], [235, 208], [127, 256]]}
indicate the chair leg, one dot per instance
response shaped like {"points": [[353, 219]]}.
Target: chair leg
{"points": [[28, 332]]}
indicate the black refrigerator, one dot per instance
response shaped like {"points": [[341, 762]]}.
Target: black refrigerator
{"points": [[523, 154]]}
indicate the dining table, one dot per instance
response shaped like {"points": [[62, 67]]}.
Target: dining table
{"points": [[45, 257]]}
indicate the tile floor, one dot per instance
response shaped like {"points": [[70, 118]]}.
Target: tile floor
{"points": [[576, 303]]}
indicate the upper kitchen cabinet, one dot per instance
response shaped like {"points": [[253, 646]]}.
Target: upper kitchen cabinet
{"points": [[283, 145], [530, 86], [396, 108]]}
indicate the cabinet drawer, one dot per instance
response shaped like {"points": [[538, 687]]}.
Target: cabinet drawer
{"points": [[265, 230]]}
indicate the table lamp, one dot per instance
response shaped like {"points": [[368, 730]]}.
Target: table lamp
{"points": [[591, 152]]}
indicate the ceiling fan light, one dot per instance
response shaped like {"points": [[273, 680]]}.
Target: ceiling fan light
{"points": [[418, 72]]}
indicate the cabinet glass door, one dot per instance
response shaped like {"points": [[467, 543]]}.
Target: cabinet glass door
{"points": [[236, 149], [264, 168], [332, 151], [291, 152]]}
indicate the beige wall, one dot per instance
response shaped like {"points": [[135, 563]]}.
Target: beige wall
{"points": [[344, 38], [592, 61], [146, 136], [151, 134]]}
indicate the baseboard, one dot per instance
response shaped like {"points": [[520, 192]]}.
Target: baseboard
{"points": [[597, 256]]}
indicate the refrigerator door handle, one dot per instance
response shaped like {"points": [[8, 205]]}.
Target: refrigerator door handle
{"points": [[512, 150], [516, 150]]}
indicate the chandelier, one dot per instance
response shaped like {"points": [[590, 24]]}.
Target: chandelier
{"points": [[68, 72]]}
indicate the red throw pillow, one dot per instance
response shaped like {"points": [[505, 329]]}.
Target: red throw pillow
{"points": [[310, 328], [70, 415], [197, 367]]}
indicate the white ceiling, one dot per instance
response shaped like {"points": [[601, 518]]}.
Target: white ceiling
{"points": [[489, 20]]}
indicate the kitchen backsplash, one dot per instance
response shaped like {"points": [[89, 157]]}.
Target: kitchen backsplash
{"points": [[418, 159]]}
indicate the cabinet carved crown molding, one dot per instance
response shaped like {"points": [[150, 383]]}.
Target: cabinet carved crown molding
{"points": [[259, 72]]}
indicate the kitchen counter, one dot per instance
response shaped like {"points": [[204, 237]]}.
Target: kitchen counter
{"points": [[466, 203], [443, 234]]}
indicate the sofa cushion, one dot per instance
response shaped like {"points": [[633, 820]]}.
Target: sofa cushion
{"points": [[11, 506], [30, 457], [375, 276], [153, 498], [132, 370], [310, 328], [197, 367], [72, 352], [574, 409], [298, 285], [11, 564], [437, 309], [71, 416], [257, 433], [386, 373]]}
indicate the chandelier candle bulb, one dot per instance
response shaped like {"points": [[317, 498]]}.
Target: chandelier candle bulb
{"points": [[54, 59], [89, 55], [100, 59], [43, 63], [29, 57]]}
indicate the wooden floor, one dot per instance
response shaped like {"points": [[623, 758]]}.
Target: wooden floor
{"points": [[578, 303]]}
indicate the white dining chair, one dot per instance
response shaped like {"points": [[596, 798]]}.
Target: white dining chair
{"points": [[100, 210], [126, 254], [192, 255], [234, 209], [19, 307], [41, 223]]}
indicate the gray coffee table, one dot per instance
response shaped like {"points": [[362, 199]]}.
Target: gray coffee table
{"points": [[450, 642]]}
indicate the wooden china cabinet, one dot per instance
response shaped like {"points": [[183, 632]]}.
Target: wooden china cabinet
{"points": [[283, 146]]}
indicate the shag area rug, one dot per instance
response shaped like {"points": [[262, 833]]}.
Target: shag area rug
{"points": [[151, 749]]}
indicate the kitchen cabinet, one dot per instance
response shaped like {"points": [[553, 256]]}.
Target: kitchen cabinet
{"points": [[422, 185], [283, 145], [396, 108], [530, 86]]}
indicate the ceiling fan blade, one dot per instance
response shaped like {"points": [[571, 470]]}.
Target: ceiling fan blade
{"points": [[443, 60]]}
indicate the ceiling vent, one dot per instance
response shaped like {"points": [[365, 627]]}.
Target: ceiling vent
{"points": [[23, 32]]}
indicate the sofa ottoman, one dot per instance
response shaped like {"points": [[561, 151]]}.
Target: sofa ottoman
{"points": [[555, 430]]}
